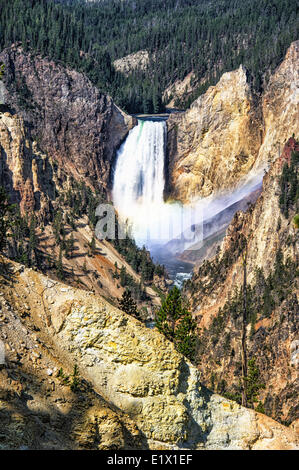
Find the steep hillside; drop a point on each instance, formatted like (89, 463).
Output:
(179, 90)
(155, 397)
(214, 229)
(73, 122)
(82, 362)
(44, 403)
(228, 131)
(216, 295)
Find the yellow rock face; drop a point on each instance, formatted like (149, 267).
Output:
(280, 106)
(15, 147)
(137, 370)
(23, 167)
(217, 140)
(226, 133)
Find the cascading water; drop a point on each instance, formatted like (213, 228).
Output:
(139, 175)
(139, 185)
(138, 188)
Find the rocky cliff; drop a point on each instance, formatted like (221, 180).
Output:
(25, 172)
(74, 122)
(136, 61)
(216, 294)
(280, 107)
(228, 131)
(148, 395)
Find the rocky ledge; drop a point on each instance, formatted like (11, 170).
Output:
(136, 370)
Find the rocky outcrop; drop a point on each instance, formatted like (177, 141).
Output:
(216, 142)
(39, 410)
(25, 172)
(136, 61)
(74, 122)
(136, 370)
(280, 107)
(227, 132)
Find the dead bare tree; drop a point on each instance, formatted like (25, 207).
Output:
(244, 323)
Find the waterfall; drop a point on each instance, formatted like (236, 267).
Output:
(139, 173)
(138, 188)
(139, 179)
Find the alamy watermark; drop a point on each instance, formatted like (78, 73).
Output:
(171, 223)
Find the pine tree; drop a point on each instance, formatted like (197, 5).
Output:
(127, 304)
(1, 70)
(176, 323)
(93, 247)
(75, 383)
(169, 313)
(84, 267)
(253, 382)
(69, 247)
(244, 324)
(6, 214)
(184, 337)
(32, 239)
(59, 266)
(58, 227)
(123, 276)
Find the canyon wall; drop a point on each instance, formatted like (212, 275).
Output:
(216, 298)
(77, 125)
(25, 172)
(41, 187)
(211, 147)
(58, 140)
(227, 131)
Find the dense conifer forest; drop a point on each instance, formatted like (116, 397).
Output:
(207, 37)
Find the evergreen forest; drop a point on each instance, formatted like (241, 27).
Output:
(207, 37)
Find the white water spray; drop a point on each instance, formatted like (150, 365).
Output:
(138, 192)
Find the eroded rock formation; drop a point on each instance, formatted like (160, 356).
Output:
(227, 132)
(25, 172)
(272, 302)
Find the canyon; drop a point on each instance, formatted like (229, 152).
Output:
(81, 374)
(38, 185)
(77, 125)
(272, 332)
(229, 125)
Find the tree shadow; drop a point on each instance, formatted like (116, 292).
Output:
(7, 272)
